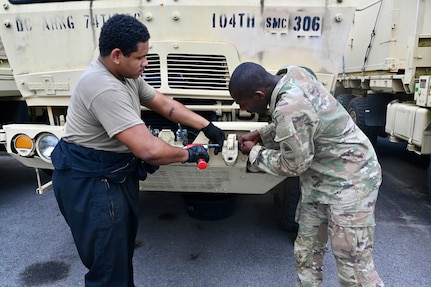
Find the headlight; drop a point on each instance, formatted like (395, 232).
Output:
(45, 144)
(24, 145)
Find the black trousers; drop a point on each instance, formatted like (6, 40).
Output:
(103, 218)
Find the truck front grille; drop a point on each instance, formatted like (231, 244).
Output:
(204, 72)
(190, 71)
(152, 71)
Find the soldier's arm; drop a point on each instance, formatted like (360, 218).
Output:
(176, 112)
(294, 136)
(149, 148)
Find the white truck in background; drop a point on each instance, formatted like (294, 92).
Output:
(385, 80)
(195, 45)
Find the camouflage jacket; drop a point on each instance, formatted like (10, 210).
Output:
(313, 136)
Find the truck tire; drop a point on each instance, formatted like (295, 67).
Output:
(344, 100)
(285, 201)
(210, 206)
(356, 110)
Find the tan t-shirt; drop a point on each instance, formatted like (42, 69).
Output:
(101, 106)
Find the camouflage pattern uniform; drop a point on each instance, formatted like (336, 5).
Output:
(312, 135)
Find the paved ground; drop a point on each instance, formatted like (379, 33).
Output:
(246, 249)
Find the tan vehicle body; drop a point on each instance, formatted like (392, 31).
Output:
(7, 83)
(195, 45)
(387, 69)
(9, 94)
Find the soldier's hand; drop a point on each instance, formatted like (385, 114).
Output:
(215, 135)
(253, 136)
(246, 146)
(197, 153)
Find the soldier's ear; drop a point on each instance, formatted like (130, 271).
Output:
(260, 95)
(115, 55)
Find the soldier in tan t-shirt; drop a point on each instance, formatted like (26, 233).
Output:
(107, 148)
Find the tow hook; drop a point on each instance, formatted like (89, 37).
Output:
(230, 150)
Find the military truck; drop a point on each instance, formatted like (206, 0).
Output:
(195, 45)
(13, 108)
(385, 80)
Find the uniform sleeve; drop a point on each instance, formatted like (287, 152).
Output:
(295, 125)
(267, 134)
(146, 92)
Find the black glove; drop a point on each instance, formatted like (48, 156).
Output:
(196, 153)
(215, 135)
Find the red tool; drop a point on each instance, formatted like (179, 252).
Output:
(202, 164)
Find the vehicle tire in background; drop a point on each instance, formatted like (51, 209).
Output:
(286, 197)
(344, 100)
(356, 110)
(210, 206)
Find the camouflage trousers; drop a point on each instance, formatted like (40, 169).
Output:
(350, 230)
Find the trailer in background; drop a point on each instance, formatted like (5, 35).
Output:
(385, 80)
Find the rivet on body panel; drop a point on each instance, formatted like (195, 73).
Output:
(176, 16)
(338, 18)
(148, 16)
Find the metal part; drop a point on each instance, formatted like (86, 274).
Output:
(42, 188)
(230, 150)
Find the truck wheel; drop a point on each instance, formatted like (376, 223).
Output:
(210, 206)
(285, 201)
(344, 100)
(356, 110)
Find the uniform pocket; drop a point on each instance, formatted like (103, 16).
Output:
(290, 146)
(353, 219)
(108, 200)
(284, 129)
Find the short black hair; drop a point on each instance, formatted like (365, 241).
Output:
(249, 77)
(124, 32)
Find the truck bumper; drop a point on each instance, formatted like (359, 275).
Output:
(226, 172)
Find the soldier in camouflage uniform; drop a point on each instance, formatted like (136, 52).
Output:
(312, 136)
